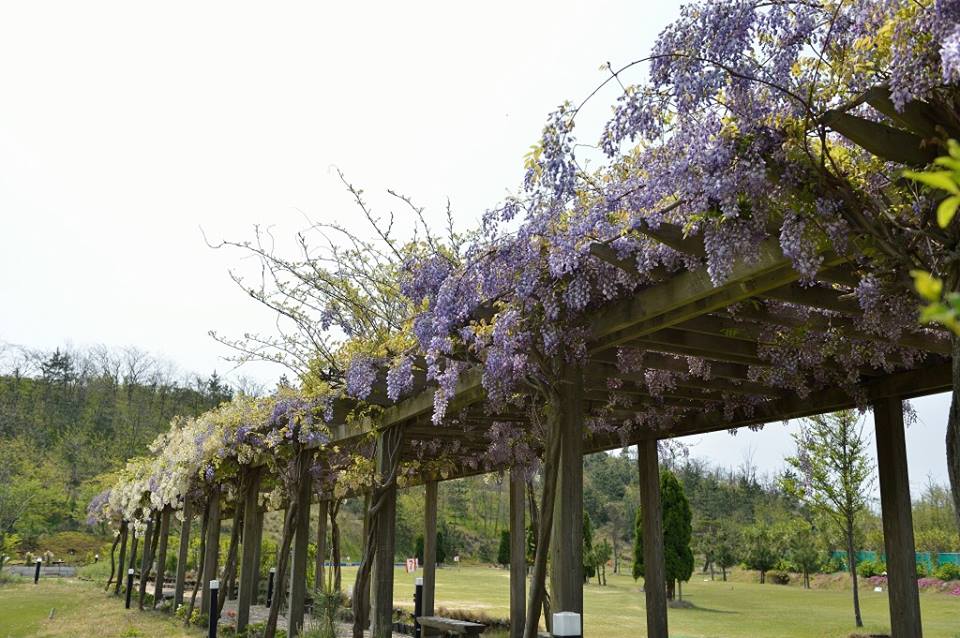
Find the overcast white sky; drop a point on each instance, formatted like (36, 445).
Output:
(126, 127)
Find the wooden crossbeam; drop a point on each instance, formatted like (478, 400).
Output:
(691, 294)
(659, 361)
(723, 327)
(696, 344)
(928, 342)
(816, 297)
(886, 142)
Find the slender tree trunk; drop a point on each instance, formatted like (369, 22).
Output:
(953, 433)
(335, 542)
(551, 465)
(230, 566)
(852, 564)
(199, 562)
(113, 552)
(723, 570)
(280, 577)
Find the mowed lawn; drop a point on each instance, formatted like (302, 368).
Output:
(80, 609)
(722, 610)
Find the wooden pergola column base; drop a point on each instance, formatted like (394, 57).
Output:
(301, 541)
(429, 547)
(212, 551)
(566, 576)
(252, 524)
(518, 555)
(897, 520)
(381, 589)
(654, 564)
(162, 554)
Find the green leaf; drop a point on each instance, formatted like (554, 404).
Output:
(946, 210)
(953, 147)
(949, 162)
(935, 179)
(928, 286)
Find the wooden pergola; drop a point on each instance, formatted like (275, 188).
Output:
(681, 315)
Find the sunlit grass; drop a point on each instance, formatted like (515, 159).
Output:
(735, 609)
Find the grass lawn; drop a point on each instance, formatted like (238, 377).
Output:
(727, 610)
(730, 610)
(80, 609)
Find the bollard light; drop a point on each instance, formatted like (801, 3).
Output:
(270, 577)
(417, 606)
(214, 609)
(567, 624)
(129, 586)
(36, 574)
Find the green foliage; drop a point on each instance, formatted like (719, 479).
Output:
(948, 571)
(677, 532)
(868, 568)
(503, 552)
(418, 551)
(939, 307)
(531, 545)
(68, 417)
(803, 549)
(761, 549)
(589, 568)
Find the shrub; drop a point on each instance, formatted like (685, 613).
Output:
(779, 577)
(833, 565)
(922, 570)
(868, 568)
(948, 571)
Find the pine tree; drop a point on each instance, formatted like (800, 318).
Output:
(503, 553)
(677, 534)
(589, 566)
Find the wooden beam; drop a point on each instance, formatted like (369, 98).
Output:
(248, 557)
(906, 384)
(518, 553)
(897, 519)
(184, 552)
(691, 294)
(816, 297)
(566, 575)
(469, 389)
(301, 543)
(928, 342)
(654, 577)
(884, 141)
(162, 554)
(429, 547)
(212, 553)
(695, 344)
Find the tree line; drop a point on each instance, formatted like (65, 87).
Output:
(68, 416)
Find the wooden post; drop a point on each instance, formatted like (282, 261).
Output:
(897, 519)
(212, 551)
(183, 553)
(518, 555)
(381, 590)
(654, 564)
(257, 546)
(251, 540)
(162, 555)
(301, 542)
(318, 579)
(567, 544)
(429, 548)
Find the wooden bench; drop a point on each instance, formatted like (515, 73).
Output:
(450, 626)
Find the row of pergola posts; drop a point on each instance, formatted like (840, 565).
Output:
(566, 577)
